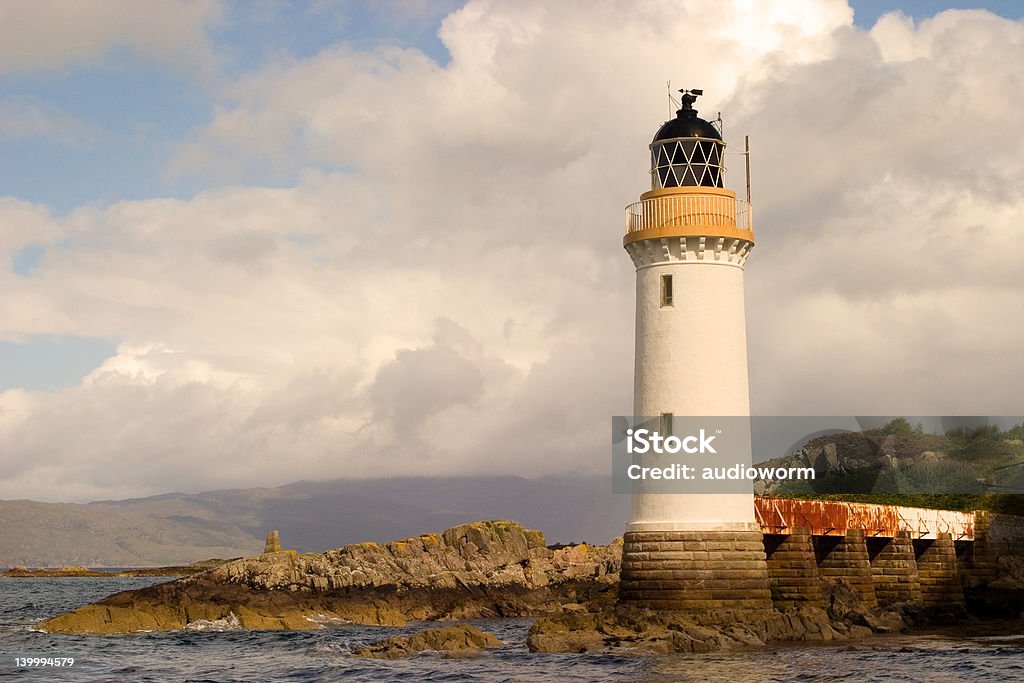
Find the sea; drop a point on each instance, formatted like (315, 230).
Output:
(986, 651)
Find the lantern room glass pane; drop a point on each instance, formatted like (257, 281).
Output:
(687, 162)
(700, 155)
(663, 176)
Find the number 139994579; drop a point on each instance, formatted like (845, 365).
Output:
(30, 662)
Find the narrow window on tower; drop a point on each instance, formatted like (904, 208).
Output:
(666, 424)
(666, 291)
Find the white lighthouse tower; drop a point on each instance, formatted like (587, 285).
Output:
(689, 239)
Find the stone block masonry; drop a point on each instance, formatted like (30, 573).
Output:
(938, 572)
(894, 570)
(941, 560)
(793, 570)
(846, 557)
(995, 536)
(695, 570)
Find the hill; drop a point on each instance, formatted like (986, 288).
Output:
(981, 469)
(181, 528)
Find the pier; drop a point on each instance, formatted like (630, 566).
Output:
(890, 554)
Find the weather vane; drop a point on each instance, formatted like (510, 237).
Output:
(689, 97)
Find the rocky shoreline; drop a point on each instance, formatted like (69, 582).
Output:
(479, 570)
(473, 571)
(78, 572)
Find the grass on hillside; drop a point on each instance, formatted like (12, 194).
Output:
(978, 470)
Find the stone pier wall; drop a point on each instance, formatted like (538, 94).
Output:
(938, 572)
(992, 566)
(997, 539)
(894, 570)
(694, 570)
(793, 570)
(846, 557)
(981, 568)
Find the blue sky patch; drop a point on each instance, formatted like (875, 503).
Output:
(27, 258)
(49, 362)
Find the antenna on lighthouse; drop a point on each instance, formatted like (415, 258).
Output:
(746, 159)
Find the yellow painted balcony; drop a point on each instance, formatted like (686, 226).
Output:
(688, 211)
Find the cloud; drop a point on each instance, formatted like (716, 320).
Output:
(22, 118)
(522, 91)
(439, 286)
(419, 383)
(884, 186)
(42, 35)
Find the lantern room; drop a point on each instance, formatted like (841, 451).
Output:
(687, 151)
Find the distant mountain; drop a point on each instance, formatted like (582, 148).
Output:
(180, 528)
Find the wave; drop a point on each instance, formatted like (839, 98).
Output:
(228, 623)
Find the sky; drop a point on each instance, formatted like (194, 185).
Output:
(247, 243)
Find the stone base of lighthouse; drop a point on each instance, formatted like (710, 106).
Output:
(694, 570)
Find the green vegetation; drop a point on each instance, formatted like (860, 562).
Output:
(973, 469)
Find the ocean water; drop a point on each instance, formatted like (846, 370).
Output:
(983, 652)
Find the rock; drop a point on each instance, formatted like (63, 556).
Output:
(483, 569)
(841, 598)
(24, 572)
(932, 456)
(575, 608)
(181, 570)
(831, 456)
(639, 631)
(273, 544)
(1009, 573)
(569, 633)
(451, 639)
(859, 631)
(844, 605)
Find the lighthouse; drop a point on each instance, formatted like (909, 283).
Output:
(689, 238)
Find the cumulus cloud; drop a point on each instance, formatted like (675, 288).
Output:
(49, 34)
(885, 231)
(447, 293)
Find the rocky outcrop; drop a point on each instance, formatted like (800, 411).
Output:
(643, 631)
(622, 628)
(484, 569)
(848, 612)
(460, 638)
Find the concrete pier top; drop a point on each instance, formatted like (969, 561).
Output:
(835, 518)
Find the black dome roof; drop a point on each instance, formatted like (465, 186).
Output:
(687, 124)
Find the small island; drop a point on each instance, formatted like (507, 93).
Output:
(73, 571)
